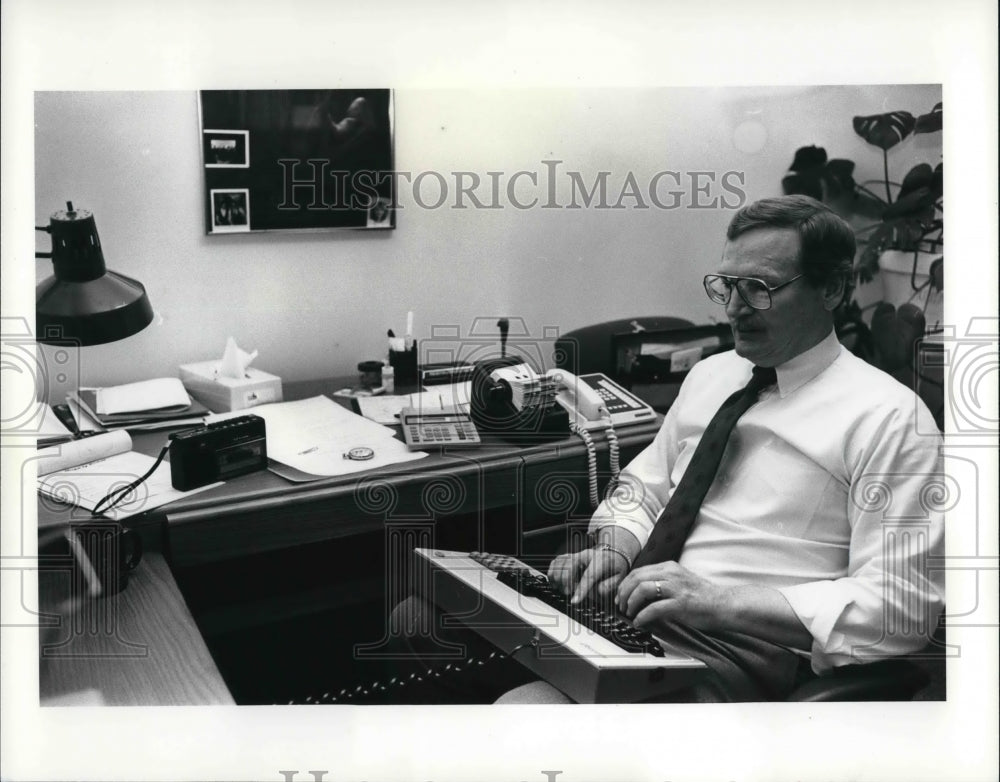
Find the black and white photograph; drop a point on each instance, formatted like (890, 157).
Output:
(226, 148)
(585, 396)
(318, 158)
(230, 211)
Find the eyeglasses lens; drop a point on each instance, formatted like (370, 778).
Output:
(718, 289)
(755, 293)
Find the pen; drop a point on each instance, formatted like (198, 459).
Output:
(309, 450)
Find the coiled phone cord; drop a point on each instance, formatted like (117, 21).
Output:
(583, 434)
(613, 454)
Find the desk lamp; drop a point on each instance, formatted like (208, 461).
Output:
(83, 301)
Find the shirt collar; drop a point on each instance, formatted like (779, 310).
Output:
(798, 371)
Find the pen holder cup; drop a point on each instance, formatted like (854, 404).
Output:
(105, 554)
(404, 365)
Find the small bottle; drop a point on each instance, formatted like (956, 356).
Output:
(370, 374)
(389, 378)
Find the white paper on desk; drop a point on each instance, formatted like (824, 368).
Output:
(78, 452)
(83, 472)
(158, 394)
(313, 435)
(385, 409)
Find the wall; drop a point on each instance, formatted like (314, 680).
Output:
(315, 304)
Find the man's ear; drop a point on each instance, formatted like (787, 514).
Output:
(833, 292)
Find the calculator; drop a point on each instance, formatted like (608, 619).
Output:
(444, 428)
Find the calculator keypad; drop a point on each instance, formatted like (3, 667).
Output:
(444, 434)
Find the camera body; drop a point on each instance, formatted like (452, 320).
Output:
(217, 452)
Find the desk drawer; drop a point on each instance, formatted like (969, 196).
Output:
(253, 526)
(555, 481)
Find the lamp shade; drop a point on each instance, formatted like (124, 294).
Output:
(82, 301)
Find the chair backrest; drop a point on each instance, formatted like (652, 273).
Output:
(898, 348)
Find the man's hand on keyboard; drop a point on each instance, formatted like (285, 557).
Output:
(667, 592)
(595, 571)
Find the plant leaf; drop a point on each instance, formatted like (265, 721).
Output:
(937, 181)
(917, 177)
(838, 177)
(930, 122)
(807, 158)
(868, 262)
(867, 205)
(885, 130)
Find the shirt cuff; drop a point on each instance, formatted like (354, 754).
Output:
(819, 606)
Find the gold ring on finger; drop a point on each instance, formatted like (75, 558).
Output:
(659, 592)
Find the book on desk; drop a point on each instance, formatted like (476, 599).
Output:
(140, 411)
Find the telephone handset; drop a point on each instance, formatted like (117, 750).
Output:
(577, 398)
(591, 400)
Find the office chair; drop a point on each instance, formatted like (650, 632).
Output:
(894, 344)
(917, 677)
(888, 680)
(590, 348)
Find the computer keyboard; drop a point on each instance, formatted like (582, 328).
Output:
(588, 651)
(609, 624)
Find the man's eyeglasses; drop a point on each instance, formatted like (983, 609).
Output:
(756, 293)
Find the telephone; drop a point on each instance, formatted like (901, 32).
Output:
(592, 399)
(508, 398)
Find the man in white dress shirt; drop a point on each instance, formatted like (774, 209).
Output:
(797, 543)
(811, 548)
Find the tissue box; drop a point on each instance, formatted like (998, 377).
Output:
(224, 394)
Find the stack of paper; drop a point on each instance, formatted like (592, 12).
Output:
(150, 404)
(386, 409)
(317, 438)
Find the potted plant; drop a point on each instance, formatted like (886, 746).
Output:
(903, 232)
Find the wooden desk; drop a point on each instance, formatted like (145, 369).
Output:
(140, 647)
(263, 512)
(260, 550)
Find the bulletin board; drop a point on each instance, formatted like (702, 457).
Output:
(297, 160)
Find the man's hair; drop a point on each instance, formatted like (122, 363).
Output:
(827, 241)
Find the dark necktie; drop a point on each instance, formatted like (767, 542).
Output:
(674, 522)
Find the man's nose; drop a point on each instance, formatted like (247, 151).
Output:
(736, 306)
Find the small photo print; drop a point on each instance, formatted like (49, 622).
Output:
(226, 148)
(380, 214)
(230, 211)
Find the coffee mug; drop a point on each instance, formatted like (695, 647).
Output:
(105, 554)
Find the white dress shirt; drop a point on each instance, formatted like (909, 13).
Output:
(825, 493)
